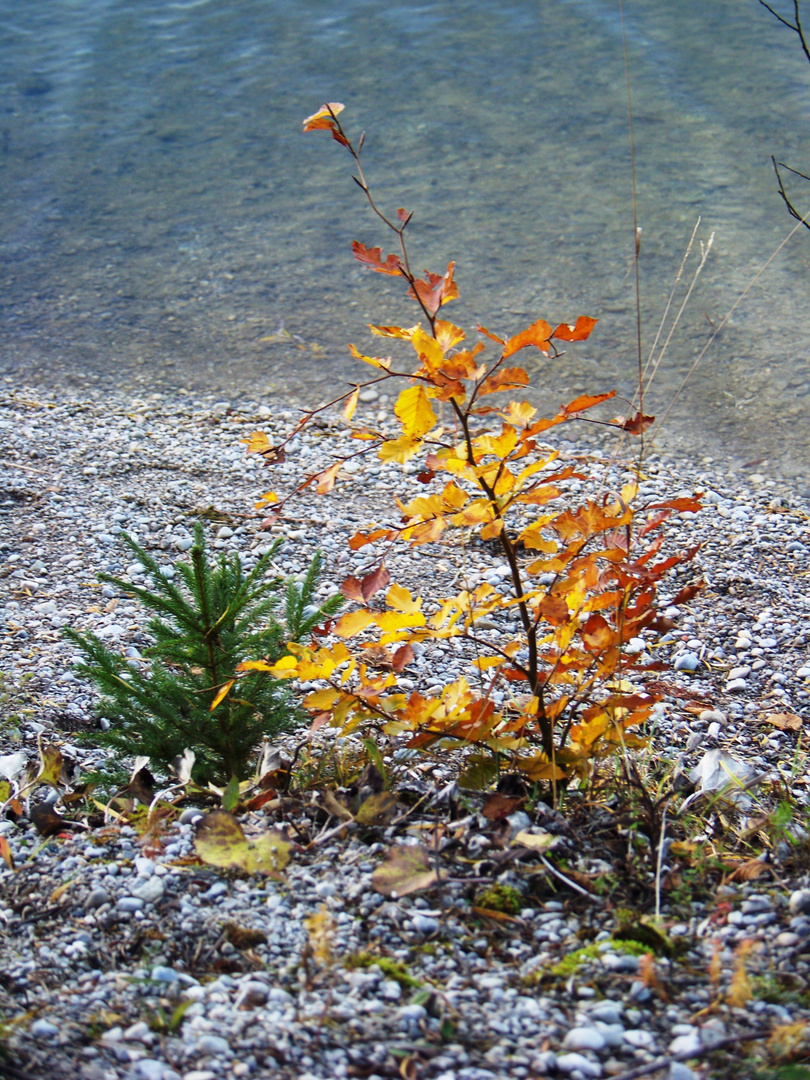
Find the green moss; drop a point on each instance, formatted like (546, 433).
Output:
(569, 964)
(392, 969)
(504, 898)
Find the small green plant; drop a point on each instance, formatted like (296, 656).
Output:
(204, 627)
(498, 897)
(392, 969)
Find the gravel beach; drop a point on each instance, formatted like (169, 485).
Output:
(127, 960)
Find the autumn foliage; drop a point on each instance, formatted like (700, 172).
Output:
(583, 578)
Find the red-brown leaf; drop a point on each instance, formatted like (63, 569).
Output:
(435, 289)
(373, 257)
(637, 424)
(402, 657)
(376, 580)
(688, 593)
(353, 590)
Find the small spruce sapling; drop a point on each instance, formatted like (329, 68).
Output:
(215, 618)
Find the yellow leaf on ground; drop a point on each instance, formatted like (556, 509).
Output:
(353, 622)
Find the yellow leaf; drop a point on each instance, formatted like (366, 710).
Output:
(266, 499)
(536, 841)
(330, 109)
(484, 662)
(353, 622)
(415, 412)
(427, 349)
(223, 692)
(384, 364)
(492, 529)
(395, 620)
(351, 405)
(394, 331)
(399, 450)
(257, 443)
(401, 600)
(321, 699)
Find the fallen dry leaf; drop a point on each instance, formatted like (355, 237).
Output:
(785, 721)
(220, 841)
(407, 869)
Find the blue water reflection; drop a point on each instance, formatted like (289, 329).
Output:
(163, 217)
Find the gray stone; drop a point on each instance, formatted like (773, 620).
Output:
(799, 901)
(129, 903)
(569, 1063)
(584, 1038)
(44, 1029)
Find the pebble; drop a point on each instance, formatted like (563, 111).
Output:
(119, 897)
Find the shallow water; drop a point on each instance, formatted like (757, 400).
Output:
(163, 217)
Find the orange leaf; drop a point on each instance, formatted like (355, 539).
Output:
(597, 634)
(5, 853)
(578, 332)
(489, 334)
(685, 504)
(448, 335)
(537, 334)
(393, 331)
(585, 401)
(373, 257)
(360, 540)
(506, 379)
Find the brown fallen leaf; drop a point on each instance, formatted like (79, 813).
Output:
(377, 809)
(749, 870)
(46, 821)
(498, 806)
(335, 807)
(784, 721)
(407, 869)
(243, 937)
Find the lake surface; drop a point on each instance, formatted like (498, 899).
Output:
(165, 224)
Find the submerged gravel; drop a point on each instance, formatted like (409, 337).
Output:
(125, 961)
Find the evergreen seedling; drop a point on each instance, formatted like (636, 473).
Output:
(212, 619)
